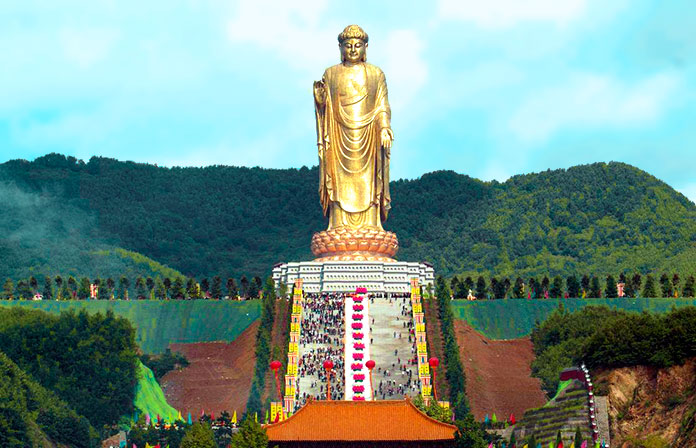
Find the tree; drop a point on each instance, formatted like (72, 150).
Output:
(573, 286)
(253, 290)
(160, 290)
(24, 290)
(468, 284)
(123, 285)
(167, 286)
(216, 289)
(689, 286)
(282, 290)
(7, 290)
(610, 290)
(454, 287)
(199, 436)
(205, 287)
(518, 289)
(636, 281)
(650, 288)
(595, 290)
(232, 288)
(191, 288)
(559, 439)
(150, 283)
(244, 282)
(469, 433)
(250, 435)
(178, 291)
(103, 293)
(666, 286)
(494, 287)
(481, 290)
(110, 284)
(47, 289)
(59, 287)
(33, 284)
(578, 437)
(545, 284)
(532, 442)
(140, 291)
(585, 284)
(675, 284)
(557, 287)
(84, 290)
(535, 288)
(72, 287)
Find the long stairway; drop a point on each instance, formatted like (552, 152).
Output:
(321, 339)
(393, 348)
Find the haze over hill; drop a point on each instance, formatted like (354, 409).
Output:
(222, 220)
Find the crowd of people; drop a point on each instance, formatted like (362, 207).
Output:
(321, 339)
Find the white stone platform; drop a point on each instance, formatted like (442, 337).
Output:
(346, 276)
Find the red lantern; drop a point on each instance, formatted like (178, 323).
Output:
(275, 365)
(328, 365)
(370, 364)
(434, 362)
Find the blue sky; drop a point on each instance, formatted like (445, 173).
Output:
(490, 89)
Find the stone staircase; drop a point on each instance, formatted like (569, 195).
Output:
(395, 374)
(321, 338)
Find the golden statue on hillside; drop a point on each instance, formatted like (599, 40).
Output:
(354, 139)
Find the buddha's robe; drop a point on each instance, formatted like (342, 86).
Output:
(353, 166)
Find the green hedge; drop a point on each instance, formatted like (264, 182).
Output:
(159, 323)
(515, 318)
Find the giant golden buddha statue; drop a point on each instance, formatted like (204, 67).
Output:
(354, 138)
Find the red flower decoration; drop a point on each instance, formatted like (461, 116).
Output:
(356, 366)
(361, 290)
(357, 316)
(358, 356)
(356, 398)
(358, 335)
(356, 325)
(359, 389)
(357, 299)
(359, 346)
(357, 307)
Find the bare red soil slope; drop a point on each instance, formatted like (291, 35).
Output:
(498, 374)
(218, 377)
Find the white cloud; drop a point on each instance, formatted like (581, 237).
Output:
(293, 30)
(504, 13)
(86, 47)
(592, 101)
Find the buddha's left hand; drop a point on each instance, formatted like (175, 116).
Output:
(387, 136)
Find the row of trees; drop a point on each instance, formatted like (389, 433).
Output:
(587, 286)
(143, 288)
(205, 433)
(454, 371)
(263, 349)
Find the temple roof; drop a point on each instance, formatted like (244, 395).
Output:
(384, 420)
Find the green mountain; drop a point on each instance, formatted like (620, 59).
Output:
(229, 221)
(31, 416)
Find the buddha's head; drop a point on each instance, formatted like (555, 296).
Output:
(353, 44)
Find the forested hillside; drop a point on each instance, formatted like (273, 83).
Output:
(230, 221)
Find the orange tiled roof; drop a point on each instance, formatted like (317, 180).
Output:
(385, 420)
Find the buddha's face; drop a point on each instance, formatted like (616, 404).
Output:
(353, 50)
